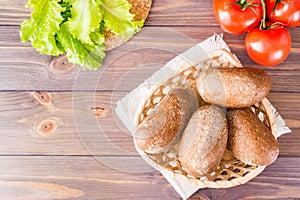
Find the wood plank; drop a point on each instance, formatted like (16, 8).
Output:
(125, 67)
(163, 12)
(80, 131)
(68, 143)
(13, 12)
(56, 177)
(159, 37)
(76, 130)
(182, 13)
(80, 178)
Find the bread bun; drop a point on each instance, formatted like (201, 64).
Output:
(250, 140)
(163, 127)
(233, 87)
(204, 141)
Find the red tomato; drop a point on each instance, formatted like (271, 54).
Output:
(268, 47)
(237, 16)
(286, 11)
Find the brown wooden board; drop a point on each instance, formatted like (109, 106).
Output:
(50, 177)
(67, 143)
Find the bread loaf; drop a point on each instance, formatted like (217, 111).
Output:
(204, 141)
(250, 140)
(165, 124)
(233, 87)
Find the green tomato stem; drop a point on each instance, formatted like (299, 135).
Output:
(276, 4)
(263, 21)
(242, 2)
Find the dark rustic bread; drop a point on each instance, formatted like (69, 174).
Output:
(233, 87)
(250, 140)
(204, 141)
(165, 124)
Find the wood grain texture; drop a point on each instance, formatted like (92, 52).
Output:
(88, 178)
(80, 132)
(163, 12)
(13, 12)
(133, 62)
(67, 143)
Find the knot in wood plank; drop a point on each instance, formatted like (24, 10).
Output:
(60, 65)
(47, 127)
(44, 98)
(99, 112)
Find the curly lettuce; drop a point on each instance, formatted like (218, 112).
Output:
(75, 28)
(43, 25)
(118, 21)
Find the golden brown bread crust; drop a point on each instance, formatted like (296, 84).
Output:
(164, 126)
(250, 140)
(233, 87)
(204, 141)
(141, 10)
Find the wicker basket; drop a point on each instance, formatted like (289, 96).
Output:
(231, 171)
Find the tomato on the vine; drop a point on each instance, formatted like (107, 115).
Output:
(285, 11)
(268, 47)
(237, 16)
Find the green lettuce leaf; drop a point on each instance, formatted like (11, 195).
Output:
(76, 27)
(86, 55)
(66, 14)
(86, 18)
(97, 37)
(43, 25)
(118, 18)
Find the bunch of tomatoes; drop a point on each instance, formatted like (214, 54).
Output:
(268, 41)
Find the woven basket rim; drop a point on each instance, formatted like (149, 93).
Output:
(222, 183)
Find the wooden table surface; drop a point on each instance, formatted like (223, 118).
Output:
(60, 137)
